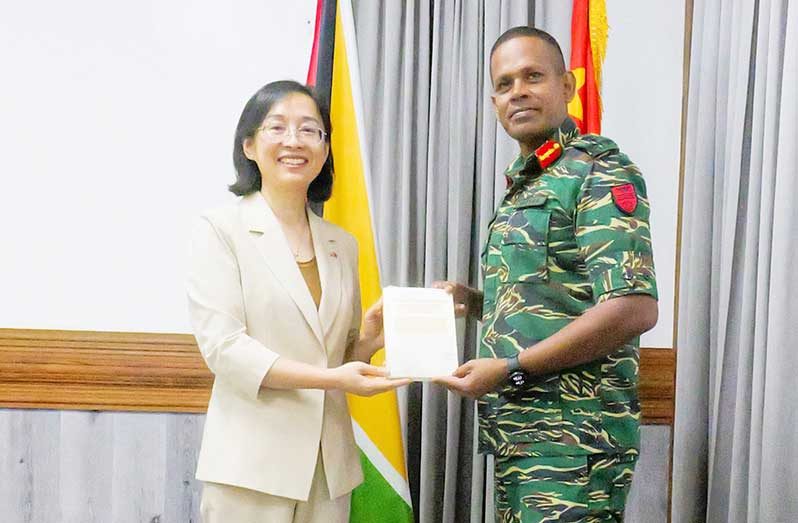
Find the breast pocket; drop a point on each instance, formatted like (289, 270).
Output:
(524, 247)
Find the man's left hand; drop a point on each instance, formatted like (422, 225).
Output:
(476, 378)
(371, 332)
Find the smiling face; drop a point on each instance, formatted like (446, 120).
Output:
(531, 90)
(283, 147)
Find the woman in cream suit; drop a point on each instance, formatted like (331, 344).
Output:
(274, 303)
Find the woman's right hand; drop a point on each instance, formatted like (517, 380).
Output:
(363, 379)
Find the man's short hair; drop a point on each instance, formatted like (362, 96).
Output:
(523, 30)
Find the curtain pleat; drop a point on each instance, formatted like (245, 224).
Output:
(735, 425)
(436, 154)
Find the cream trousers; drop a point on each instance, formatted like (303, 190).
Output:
(228, 504)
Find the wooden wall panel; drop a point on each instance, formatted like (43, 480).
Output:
(648, 498)
(657, 374)
(61, 466)
(182, 493)
(86, 463)
(50, 369)
(102, 371)
(96, 467)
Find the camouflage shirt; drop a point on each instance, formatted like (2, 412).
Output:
(563, 239)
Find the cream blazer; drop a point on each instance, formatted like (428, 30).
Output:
(249, 306)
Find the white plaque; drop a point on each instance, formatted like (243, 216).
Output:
(420, 335)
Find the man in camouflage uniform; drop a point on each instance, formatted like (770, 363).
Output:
(569, 287)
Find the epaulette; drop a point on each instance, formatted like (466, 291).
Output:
(594, 144)
(548, 153)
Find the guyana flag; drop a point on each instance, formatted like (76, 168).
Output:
(384, 496)
(588, 47)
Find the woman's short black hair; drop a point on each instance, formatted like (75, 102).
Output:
(248, 178)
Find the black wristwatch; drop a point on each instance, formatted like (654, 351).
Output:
(516, 376)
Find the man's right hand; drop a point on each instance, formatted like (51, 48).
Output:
(467, 301)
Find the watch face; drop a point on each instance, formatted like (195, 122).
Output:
(518, 379)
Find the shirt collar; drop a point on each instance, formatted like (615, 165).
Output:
(526, 165)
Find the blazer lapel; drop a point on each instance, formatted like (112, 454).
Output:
(328, 259)
(273, 247)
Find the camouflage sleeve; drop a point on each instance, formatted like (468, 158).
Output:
(612, 229)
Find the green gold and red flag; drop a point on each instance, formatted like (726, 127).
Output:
(589, 31)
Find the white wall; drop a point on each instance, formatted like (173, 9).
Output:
(116, 130)
(642, 96)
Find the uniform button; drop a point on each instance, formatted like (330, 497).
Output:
(627, 274)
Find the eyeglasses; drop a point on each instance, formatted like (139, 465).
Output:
(306, 134)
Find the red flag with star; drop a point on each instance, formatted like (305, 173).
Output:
(588, 47)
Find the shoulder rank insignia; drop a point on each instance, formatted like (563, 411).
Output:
(625, 197)
(548, 153)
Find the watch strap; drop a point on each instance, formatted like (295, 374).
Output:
(513, 365)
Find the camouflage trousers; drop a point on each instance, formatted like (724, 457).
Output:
(585, 489)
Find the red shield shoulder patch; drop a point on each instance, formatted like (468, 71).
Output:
(625, 197)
